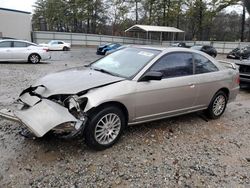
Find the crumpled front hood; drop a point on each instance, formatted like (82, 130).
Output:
(73, 81)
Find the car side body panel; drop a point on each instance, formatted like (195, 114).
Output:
(156, 99)
(209, 83)
(123, 92)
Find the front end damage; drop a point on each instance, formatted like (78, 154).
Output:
(61, 114)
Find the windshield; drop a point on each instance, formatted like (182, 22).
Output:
(196, 47)
(126, 62)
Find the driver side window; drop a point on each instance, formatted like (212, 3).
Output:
(174, 65)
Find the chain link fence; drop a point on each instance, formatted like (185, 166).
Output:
(83, 39)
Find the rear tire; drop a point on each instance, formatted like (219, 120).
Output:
(104, 128)
(34, 58)
(217, 105)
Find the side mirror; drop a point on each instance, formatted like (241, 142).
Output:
(151, 75)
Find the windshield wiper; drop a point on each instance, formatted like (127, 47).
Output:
(104, 71)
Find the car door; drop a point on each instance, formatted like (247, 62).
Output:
(20, 52)
(54, 46)
(5, 47)
(208, 76)
(60, 45)
(174, 94)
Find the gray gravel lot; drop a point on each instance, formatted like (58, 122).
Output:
(185, 151)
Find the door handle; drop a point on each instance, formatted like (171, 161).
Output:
(191, 85)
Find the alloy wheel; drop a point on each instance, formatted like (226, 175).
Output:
(107, 129)
(219, 105)
(34, 58)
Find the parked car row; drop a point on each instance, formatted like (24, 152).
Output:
(111, 47)
(237, 53)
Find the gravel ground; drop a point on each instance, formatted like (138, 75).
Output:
(185, 151)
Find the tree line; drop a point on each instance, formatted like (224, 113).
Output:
(200, 19)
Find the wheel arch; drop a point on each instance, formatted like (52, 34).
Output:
(111, 103)
(225, 90)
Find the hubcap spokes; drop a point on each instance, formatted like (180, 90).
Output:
(107, 129)
(34, 59)
(219, 105)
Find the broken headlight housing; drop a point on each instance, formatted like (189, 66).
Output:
(75, 103)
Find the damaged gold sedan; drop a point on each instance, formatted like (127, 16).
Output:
(130, 86)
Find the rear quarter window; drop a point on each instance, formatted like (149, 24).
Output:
(203, 65)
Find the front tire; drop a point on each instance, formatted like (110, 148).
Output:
(104, 128)
(34, 58)
(65, 48)
(217, 105)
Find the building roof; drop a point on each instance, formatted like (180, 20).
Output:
(152, 28)
(12, 10)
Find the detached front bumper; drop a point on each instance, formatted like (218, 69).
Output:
(8, 114)
(42, 117)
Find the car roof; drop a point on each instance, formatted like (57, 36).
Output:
(159, 48)
(56, 41)
(171, 49)
(14, 40)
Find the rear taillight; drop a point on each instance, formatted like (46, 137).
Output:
(237, 80)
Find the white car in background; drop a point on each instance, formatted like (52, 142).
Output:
(57, 45)
(20, 50)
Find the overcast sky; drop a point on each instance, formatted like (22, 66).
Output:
(26, 5)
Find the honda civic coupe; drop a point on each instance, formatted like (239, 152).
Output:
(20, 50)
(131, 86)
